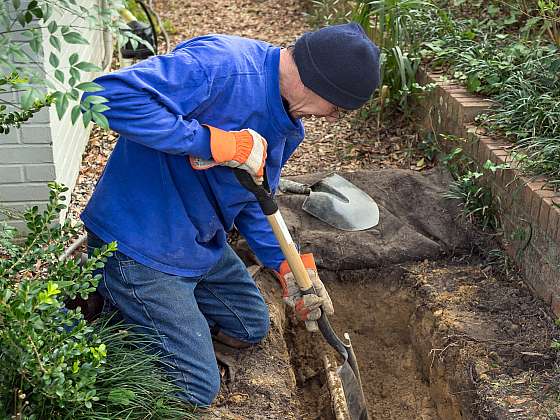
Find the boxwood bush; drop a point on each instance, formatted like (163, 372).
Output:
(53, 364)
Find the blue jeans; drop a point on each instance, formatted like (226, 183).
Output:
(181, 312)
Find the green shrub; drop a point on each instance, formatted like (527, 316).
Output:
(50, 27)
(52, 363)
(392, 25)
(478, 204)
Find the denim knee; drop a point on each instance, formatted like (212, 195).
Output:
(202, 392)
(260, 326)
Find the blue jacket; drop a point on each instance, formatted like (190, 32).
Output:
(161, 212)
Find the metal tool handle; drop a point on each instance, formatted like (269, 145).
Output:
(289, 186)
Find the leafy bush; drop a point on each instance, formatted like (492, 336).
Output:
(52, 363)
(50, 26)
(392, 25)
(520, 74)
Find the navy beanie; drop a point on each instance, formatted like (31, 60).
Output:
(339, 63)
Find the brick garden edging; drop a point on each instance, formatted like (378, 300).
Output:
(530, 213)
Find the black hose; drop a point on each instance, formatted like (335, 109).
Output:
(152, 24)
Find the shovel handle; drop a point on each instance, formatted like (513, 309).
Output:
(289, 186)
(268, 205)
(289, 250)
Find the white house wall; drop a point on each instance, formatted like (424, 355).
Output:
(45, 148)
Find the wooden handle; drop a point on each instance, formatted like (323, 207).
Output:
(290, 251)
(289, 186)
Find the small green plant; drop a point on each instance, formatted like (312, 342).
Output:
(544, 20)
(52, 363)
(500, 262)
(478, 204)
(430, 147)
(517, 68)
(169, 27)
(455, 160)
(519, 234)
(329, 12)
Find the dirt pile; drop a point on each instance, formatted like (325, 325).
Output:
(446, 337)
(264, 385)
(416, 222)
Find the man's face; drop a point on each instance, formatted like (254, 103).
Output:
(314, 105)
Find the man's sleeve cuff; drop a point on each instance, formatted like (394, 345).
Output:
(202, 143)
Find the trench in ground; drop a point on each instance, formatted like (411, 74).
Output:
(391, 338)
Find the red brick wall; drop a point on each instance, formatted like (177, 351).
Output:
(530, 212)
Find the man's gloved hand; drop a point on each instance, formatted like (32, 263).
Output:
(307, 307)
(244, 149)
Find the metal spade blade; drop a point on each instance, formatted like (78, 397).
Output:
(336, 201)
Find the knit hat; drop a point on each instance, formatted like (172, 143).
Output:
(339, 63)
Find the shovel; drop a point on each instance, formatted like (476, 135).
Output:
(336, 201)
(348, 372)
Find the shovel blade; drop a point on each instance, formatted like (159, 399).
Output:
(341, 204)
(353, 392)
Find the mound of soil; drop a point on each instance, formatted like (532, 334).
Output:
(416, 222)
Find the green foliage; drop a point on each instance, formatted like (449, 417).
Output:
(429, 147)
(478, 204)
(432, 151)
(53, 364)
(508, 50)
(518, 71)
(399, 73)
(46, 353)
(329, 12)
(500, 262)
(14, 118)
(131, 383)
(169, 27)
(391, 24)
(541, 18)
(472, 53)
(476, 200)
(41, 25)
(529, 112)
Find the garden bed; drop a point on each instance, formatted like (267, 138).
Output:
(441, 336)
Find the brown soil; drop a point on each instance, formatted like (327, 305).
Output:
(448, 337)
(376, 313)
(428, 342)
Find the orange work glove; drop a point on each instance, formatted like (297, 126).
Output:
(245, 149)
(307, 307)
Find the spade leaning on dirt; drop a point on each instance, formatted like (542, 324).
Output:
(168, 195)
